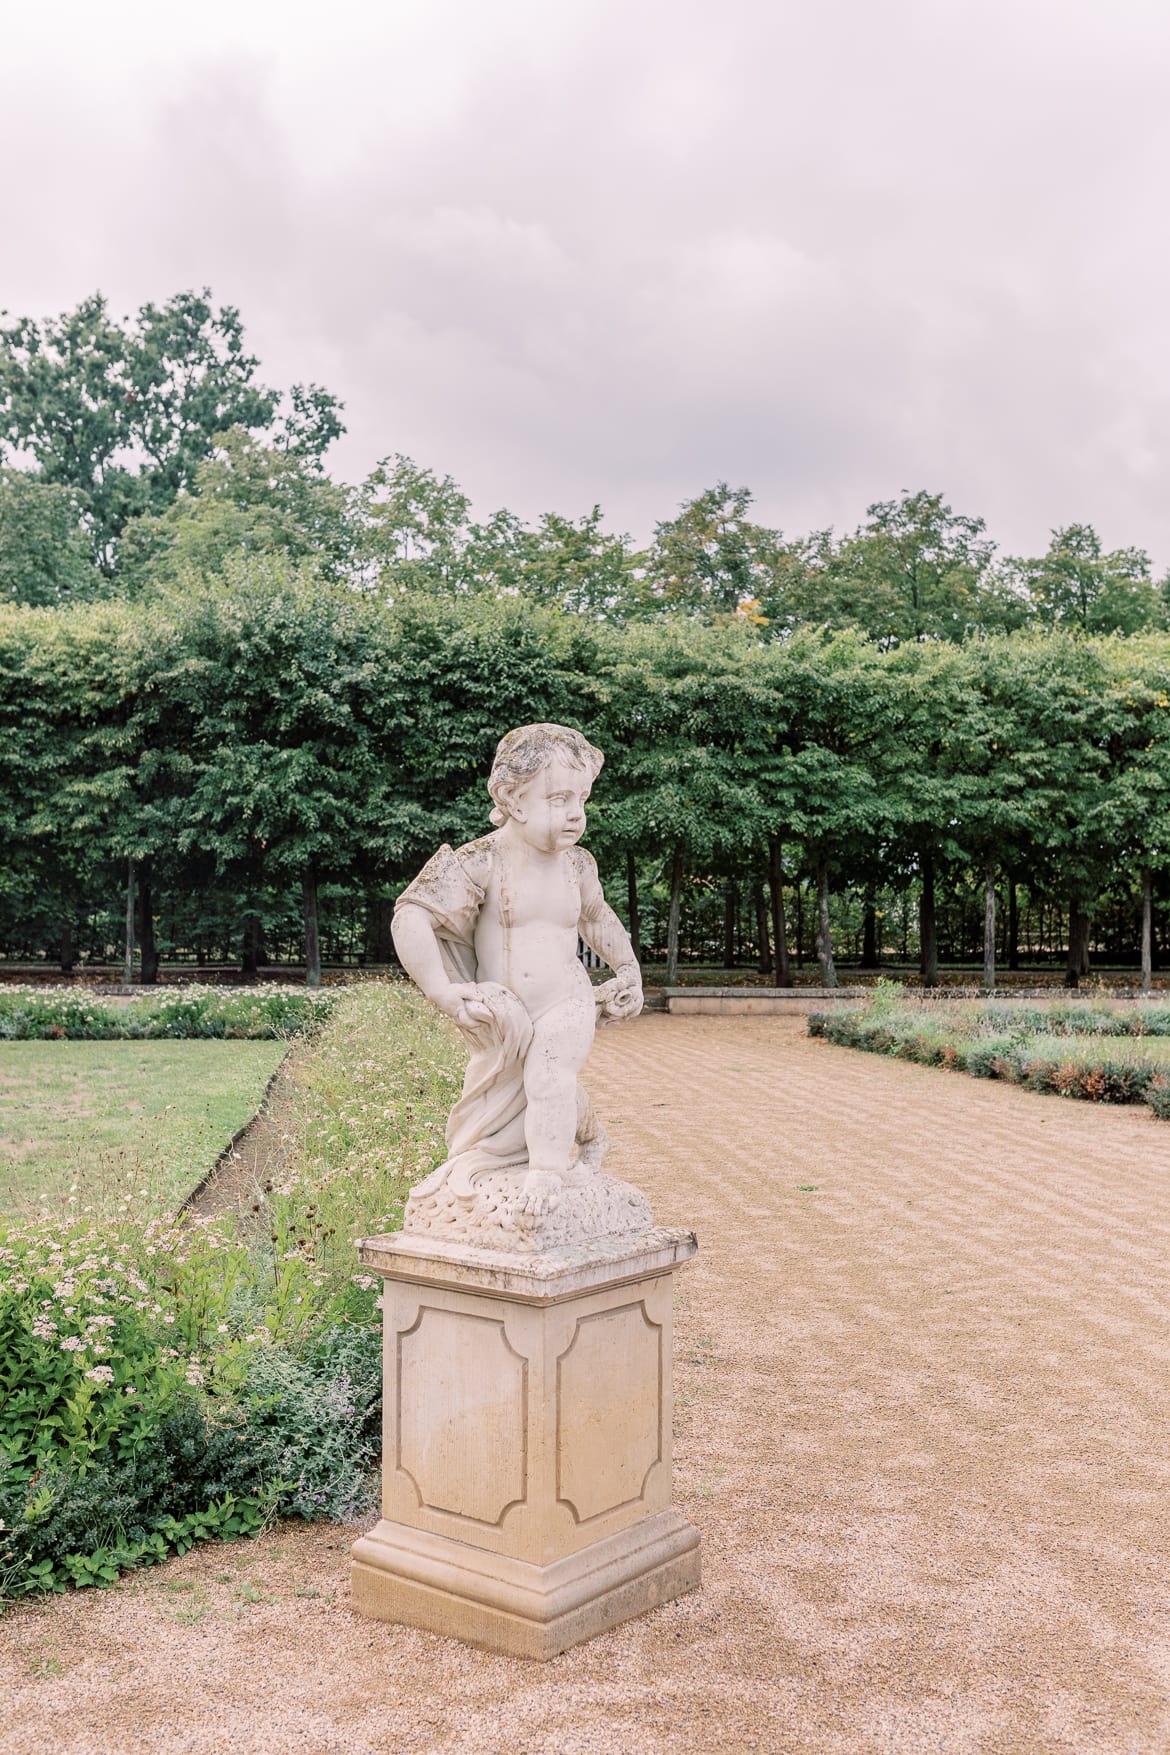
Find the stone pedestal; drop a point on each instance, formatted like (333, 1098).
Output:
(526, 1472)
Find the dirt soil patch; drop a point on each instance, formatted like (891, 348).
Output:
(923, 1374)
(259, 1155)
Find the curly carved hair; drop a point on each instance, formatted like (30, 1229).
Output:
(522, 753)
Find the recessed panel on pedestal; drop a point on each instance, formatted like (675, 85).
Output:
(462, 1415)
(609, 1411)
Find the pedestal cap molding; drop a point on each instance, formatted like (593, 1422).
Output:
(528, 1279)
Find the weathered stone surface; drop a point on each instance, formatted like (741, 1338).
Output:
(527, 1440)
(498, 1217)
(490, 931)
(533, 1279)
(518, 1609)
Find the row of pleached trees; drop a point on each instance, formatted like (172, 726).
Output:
(218, 752)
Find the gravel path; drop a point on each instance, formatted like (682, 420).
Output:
(923, 1373)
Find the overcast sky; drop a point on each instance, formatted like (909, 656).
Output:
(574, 251)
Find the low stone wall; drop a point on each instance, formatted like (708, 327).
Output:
(799, 1001)
(765, 1001)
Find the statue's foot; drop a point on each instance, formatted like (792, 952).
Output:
(539, 1193)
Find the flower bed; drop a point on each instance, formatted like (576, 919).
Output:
(1097, 1053)
(43, 1014)
(162, 1381)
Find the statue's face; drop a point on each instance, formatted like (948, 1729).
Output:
(550, 810)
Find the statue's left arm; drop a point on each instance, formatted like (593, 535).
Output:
(604, 933)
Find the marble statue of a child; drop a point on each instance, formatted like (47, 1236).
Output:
(489, 932)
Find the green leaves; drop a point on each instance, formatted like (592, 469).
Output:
(1078, 585)
(123, 414)
(44, 552)
(230, 736)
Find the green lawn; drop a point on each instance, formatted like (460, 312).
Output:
(104, 1122)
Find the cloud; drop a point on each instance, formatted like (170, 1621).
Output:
(598, 253)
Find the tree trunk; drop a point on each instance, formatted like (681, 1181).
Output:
(989, 926)
(148, 974)
(1077, 961)
(312, 930)
(927, 925)
(763, 940)
(782, 974)
(730, 912)
(128, 965)
(68, 954)
(1013, 944)
(632, 904)
(676, 871)
(254, 952)
(799, 894)
(1157, 937)
(824, 936)
(379, 944)
(1147, 927)
(870, 957)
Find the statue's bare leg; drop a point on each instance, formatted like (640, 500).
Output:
(592, 1142)
(561, 1040)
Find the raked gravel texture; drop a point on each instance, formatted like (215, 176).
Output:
(922, 1426)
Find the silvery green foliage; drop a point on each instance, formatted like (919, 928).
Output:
(313, 1421)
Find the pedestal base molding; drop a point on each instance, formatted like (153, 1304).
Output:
(510, 1606)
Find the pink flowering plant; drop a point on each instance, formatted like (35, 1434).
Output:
(163, 1380)
(98, 1361)
(81, 1368)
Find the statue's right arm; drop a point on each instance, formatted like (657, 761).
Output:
(418, 950)
(419, 953)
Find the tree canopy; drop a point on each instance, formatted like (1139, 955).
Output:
(257, 683)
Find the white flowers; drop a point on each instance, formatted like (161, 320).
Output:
(100, 1374)
(71, 1344)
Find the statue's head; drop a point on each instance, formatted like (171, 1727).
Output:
(524, 753)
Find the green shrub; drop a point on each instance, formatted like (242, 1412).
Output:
(166, 1381)
(116, 1431)
(68, 1013)
(1158, 1096)
(312, 1420)
(885, 998)
(985, 1059)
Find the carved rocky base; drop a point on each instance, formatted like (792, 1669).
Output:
(527, 1442)
(596, 1206)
